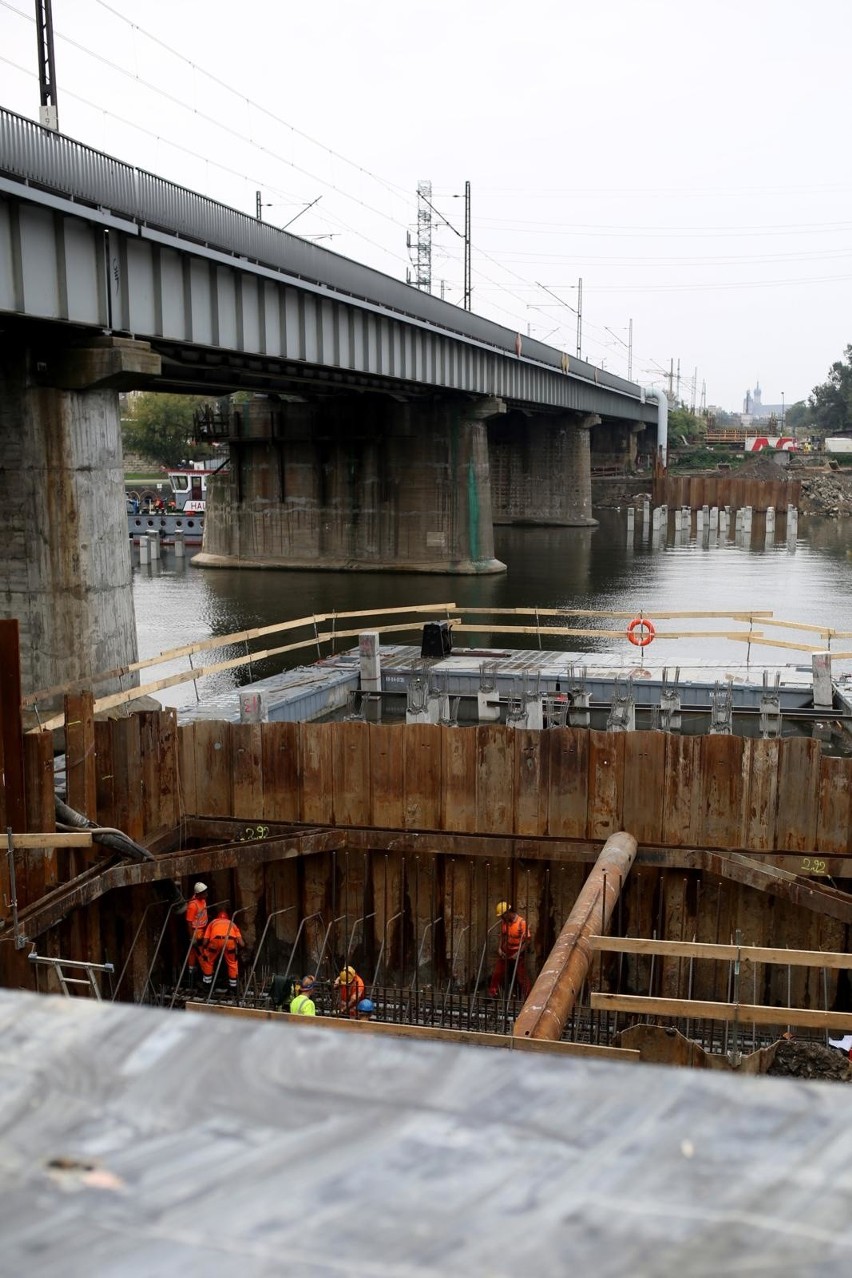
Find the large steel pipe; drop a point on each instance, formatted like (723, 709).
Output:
(554, 994)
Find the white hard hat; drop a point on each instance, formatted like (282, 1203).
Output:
(200, 887)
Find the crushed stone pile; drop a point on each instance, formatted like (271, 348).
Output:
(800, 1059)
(761, 466)
(828, 494)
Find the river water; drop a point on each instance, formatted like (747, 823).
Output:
(806, 580)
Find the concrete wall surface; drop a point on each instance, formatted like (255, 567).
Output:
(65, 570)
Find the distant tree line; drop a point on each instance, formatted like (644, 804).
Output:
(162, 428)
(829, 408)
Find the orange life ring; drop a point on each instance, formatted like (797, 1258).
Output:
(641, 632)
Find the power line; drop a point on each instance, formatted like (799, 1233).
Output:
(697, 287)
(827, 255)
(202, 115)
(392, 187)
(676, 233)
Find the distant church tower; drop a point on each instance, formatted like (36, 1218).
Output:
(752, 402)
(757, 407)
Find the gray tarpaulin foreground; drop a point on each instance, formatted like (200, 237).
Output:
(141, 1142)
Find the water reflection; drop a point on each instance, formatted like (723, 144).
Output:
(804, 577)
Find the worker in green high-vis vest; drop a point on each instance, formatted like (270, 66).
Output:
(303, 1004)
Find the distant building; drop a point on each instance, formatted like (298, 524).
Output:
(755, 410)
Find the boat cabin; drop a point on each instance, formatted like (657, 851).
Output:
(189, 489)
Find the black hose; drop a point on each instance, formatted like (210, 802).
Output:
(115, 841)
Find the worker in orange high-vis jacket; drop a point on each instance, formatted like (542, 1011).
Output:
(350, 991)
(221, 934)
(196, 923)
(511, 951)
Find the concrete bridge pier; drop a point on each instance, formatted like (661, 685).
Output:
(359, 482)
(65, 570)
(618, 444)
(540, 469)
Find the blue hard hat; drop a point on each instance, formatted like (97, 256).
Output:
(366, 1005)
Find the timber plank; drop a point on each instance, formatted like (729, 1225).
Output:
(720, 779)
(760, 769)
(79, 839)
(247, 770)
(387, 781)
(532, 782)
(707, 950)
(316, 772)
(606, 783)
(568, 771)
(213, 768)
(643, 792)
(835, 805)
(458, 789)
(281, 761)
(759, 1014)
(422, 746)
(471, 1038)
(351, 770)
(798, 794)
(495, 779)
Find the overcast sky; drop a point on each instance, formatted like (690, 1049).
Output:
(689, 162)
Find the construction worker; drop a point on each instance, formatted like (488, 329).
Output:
(350, 989)
(196, 922)
(366, 1010)
(221, 934)
(303, 1004)
(514, 942)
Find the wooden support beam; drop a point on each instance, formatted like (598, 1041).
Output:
(471, 1038)
(753, 1013)
(81, 839)
(710, 950)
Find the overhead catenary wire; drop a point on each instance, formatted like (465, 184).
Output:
(175, 100)
(269, 152)
(266, 150)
